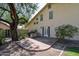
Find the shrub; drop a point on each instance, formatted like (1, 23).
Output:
(22, 34)
(33, 33)
(64, 31)
(2, 36)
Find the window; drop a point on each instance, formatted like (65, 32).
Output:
(50, 14)
(36, 18)
(34, 23)
(45, 31)
(49, 6)
(48, 30)
(41, 17)
(42, 33)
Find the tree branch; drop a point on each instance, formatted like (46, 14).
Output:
(13, 13)
(20, 13)
(2, 14)
(4, 9)
(4, 21)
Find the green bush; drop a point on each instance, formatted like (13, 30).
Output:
(64, 31)
(2, 36)
(22, 34)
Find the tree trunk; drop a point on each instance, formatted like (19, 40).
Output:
(13, 25)
(14, 33)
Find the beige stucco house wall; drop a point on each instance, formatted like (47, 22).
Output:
(63, 13)
(4, 26)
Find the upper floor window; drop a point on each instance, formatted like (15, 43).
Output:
(36, 18)
(41, 17)
(50, 14)
(35, 22)
(49, 6)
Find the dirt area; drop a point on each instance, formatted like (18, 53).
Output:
(12, 49)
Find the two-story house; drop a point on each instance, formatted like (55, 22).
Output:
(53, 15)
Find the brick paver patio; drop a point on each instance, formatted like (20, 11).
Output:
(13, 50)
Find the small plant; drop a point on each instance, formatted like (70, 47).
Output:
(22, 34)
(2, 36)
(64, 31)
(33, 33)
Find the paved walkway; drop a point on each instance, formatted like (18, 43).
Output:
(12, 49)
(54, 51)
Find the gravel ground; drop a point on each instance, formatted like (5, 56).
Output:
(12, 49)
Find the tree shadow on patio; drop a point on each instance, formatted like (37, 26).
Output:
(58, 45)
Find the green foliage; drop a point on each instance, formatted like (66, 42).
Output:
(7, 17)
(2, 36)
(24, 11)
(23, 20)
(64, 31)
(22, 34)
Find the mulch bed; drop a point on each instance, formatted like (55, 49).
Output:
(70, 44)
